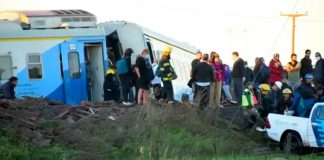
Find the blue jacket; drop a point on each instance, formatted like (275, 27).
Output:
(303, 100)
(8, 90)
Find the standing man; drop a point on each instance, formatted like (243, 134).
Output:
(144, 72)
(204, 75)
(293, 69)
(306, 64)
(8, 89)
(238, 76)
(319, 70)
(167, 74)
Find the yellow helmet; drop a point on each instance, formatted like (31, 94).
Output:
(166, 51)
(286, 91)
(265, 88)
(110, 71)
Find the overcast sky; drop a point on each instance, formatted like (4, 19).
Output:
(251, 27)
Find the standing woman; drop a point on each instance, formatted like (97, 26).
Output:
(212, 84)
(219, 79)
(275, 69)
(126, 78)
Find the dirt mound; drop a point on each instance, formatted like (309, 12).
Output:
(104, 130)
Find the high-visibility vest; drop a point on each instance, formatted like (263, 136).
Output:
(247, 98)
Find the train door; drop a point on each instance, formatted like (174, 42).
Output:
(73, 76)
(94, 61)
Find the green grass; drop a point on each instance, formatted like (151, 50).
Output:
(13, 148)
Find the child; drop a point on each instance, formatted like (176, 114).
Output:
(285, 101)
(111, 86)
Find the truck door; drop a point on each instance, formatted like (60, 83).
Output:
(316, 126)
(73, 75)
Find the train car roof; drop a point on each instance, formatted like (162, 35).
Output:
(52, 13)
(9, 29)
(112, 26)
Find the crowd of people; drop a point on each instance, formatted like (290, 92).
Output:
(142, 76)
(259, 91)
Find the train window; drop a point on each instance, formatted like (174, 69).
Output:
(35, 69)
(74, 65)
(5, 67)
(86, 19)
(66, 19)
(76, 19)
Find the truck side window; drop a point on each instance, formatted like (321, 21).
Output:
(320, 112)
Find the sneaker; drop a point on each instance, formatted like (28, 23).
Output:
(125, 103)
(221, 106)
(233, 102)
(260, 129)
(129, 103)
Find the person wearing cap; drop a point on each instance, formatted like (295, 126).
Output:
(304, 97)
(293, 69)
(265, 99)
(276, 69)
(319, 70)
(168, 74)
(248, 73)
(285, 101)
(275, 94)
(306, 64)
(111, 86)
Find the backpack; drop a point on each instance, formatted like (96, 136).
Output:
(121, 66)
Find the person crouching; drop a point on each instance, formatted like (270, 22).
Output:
(111, 86)
(285, 102)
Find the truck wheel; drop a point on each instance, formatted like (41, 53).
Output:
(293, 143)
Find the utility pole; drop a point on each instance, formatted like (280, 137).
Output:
(293, 16)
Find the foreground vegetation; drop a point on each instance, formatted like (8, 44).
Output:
(159, 132)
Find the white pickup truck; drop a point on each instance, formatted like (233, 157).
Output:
(297, 132)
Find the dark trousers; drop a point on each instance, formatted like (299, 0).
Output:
(238, 89)
(168, 90)
(126, 85)
(202, 96)
(157, 91)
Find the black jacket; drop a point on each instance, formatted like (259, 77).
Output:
(238, 69)
(306, 67)
(282, 105)
(111, 88)
(203, 73)
(319, 70)
(8, 90)
(248, 75)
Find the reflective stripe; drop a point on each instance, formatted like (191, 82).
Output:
(167, 79)
(166, 64)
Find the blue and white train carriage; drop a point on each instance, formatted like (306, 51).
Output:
(122, 35)
(57, 54)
